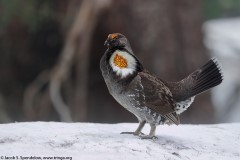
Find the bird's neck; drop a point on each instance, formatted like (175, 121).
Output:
(123, 63)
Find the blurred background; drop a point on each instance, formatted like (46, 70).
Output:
(50, 52)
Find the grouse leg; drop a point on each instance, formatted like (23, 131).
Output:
(151, 134)
(138, 130)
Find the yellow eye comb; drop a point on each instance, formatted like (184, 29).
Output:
(112, 36)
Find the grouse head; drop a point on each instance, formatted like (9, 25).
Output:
(121, 58)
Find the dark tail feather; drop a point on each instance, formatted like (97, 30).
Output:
(210, 75)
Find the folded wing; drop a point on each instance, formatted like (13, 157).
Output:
(158, 97)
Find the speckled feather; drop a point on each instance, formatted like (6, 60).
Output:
(146, 96)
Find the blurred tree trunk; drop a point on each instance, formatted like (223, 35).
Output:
(74, 57)
(166, 36)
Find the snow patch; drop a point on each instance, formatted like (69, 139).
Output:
(90, 141)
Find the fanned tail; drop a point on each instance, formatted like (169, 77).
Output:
(210, 76)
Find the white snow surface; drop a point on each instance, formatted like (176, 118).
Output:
(90, 141)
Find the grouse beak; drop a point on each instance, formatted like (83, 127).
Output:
(106, 43)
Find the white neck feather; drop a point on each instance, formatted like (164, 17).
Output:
(131, 64)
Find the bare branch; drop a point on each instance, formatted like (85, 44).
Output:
(77, 45)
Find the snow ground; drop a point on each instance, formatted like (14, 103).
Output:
(89, 141)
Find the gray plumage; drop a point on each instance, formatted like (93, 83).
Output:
(149, 98)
